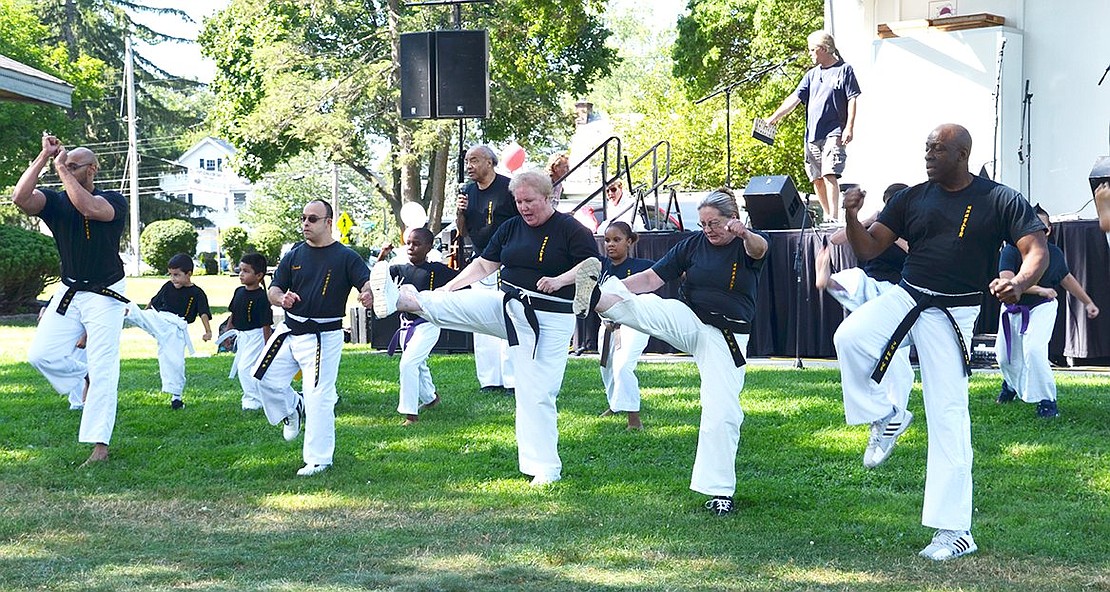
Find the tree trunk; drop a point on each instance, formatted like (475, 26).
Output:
(437, 179)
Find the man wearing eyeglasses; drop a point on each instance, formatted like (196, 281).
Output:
(484, 204)
(87, 224)
(311, 284)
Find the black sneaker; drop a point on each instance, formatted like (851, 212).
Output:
(1006, 395)
(176, 404)
(1047, 409)
(719, 505)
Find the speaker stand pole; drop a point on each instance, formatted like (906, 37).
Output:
(798, 286)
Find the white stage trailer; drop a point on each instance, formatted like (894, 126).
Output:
(925, 76)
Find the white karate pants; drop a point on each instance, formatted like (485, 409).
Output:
(52, 354)
(249, 346)
(721, 381)
(622, 387)
(540, 377)
(859, 342)
(492, 362)
(416, 385)
(1027, 369)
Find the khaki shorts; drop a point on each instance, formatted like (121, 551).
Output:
(825, 157)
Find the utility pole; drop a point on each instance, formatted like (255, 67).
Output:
(132, 153)
(335, 199)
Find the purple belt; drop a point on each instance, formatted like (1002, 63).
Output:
(1010, 309)
(407, 328)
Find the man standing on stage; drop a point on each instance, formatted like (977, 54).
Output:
(829, 91)
(311, 285)
(87, 224)
(483, 205)
(954, 224)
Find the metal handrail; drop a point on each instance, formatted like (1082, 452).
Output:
(657, 181)
(605, 178)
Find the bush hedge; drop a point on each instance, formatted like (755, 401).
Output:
(165, 238)
(268, 239)
(28, 261)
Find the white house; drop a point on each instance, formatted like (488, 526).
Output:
(205, 179)
(1028, 90)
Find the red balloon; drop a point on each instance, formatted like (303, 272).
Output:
(513, 157)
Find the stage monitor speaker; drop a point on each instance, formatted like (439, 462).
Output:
(1100, 173)
(418, 75)
(773, 203)
(462, 74)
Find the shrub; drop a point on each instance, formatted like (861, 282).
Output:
(28, 261)
(165, 238)
(234, 243)
(208, 260)
(268, 239)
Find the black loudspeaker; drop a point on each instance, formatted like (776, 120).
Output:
(462, 74)
(773, 203)
(1100, 173)
(418, 75)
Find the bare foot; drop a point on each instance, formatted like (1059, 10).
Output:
(607, 412)
(410, 419)
(821, 268)
(634, 421)
(99, 454)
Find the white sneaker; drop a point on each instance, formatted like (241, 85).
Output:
(292, 427)
(76, 406)
(541, 480)
(585, 282)
(251, 405)
(949, 544)
(384, 290)
(310, 470)
(884, 434)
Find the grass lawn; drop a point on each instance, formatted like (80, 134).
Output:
(206, 499)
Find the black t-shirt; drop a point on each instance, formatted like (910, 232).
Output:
(428, 275)
(322, 277)
(89, 249)
(250, 309)
(719, 280)
(186, 302)
(954, 236)
(627, 267)
(424, 276)
(887, 267)
(526, 254)
(487, 209)
(1010, 260)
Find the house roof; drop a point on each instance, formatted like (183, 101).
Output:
(223, 145)
(20, 82)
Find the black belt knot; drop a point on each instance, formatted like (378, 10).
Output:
(306, 327)
(925, 301)
(76, 286)
(531, 305)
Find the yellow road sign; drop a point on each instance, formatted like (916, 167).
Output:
(344, 223)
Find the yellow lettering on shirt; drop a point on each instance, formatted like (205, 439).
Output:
(542, 247)
(963, 225)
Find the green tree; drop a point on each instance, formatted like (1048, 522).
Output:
(721, 42)
(28, 261)
(301, 75)
(22, 124)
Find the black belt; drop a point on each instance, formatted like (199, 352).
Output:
(531, 305)
(729, 329)
(308, 327)
(77, 286)
(925, 301)
(612, 340)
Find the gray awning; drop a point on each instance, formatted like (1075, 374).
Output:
(20, 82)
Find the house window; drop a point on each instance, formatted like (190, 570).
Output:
(190, 199)
(219, 164)
(240, 198)
(210, 165)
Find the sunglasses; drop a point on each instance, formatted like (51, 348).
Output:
(76, 167)
(311, 218)
(612, 189)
